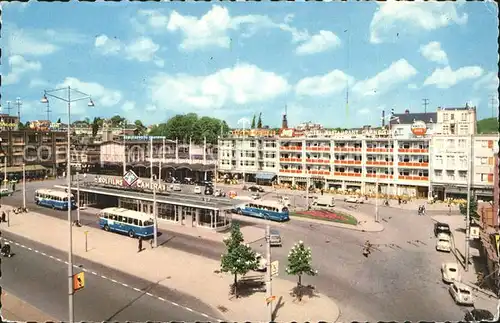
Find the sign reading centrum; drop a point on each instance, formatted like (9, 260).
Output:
(128, 178)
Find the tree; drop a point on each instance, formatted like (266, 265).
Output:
(299, 264)
(239, 258)
(140, 129)
(116, 121)
(253, 122)
(95, 127)
(259, 122)
(472, 209)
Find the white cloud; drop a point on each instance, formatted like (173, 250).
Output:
(364, 111)
(243, 84)
(413, 86)
(38, 83)
(399, 71)
(128, 106)
(444, 78)
(101, 96)
(18, 67)
(433, 52)
(394, 17)
(154, 18)
(488, 82)
(321, 42)
(107, 46)
(328, 84)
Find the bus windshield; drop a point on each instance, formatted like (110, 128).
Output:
(148, 223)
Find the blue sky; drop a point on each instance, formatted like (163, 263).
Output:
(232, 60)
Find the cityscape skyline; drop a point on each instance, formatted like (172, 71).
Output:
(132, 71)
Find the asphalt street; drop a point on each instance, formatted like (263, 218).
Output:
(41, 281)
(400, 281)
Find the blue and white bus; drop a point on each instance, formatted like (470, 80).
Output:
(133, 223)
(54, 199)
(268, 210)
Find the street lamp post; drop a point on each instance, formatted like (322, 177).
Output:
(124, 148)
(68, 100)
(24, 186)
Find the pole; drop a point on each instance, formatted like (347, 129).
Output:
(8, 218)
(86, 245)
(376, 200)
(162, 162)
(244, 155)
(269, 292)
(70, 228)
(24, 186)
(155, 229)
(467, 218)
(124, 149)
(176, 150)
(151, 162)
(307, 190)
(5, 168)
(78, 196)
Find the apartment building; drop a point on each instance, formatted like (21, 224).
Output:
(457, 121)
(8, 122)
(31, 147)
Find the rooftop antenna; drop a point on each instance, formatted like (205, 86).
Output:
(426, 102)
(19, 103)
(48, 111)
(8, 108)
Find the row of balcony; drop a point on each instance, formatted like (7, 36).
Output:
(351, 174)
(353, 149)
(356, 162)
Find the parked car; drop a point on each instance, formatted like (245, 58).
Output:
(450, 273)
(262, 262)
(443, 242)
(255, 196)
(175, 187)
(354, 199)
(255, 189)
(461, 293)
(219, 193)
(324, 200)
(275, 238)
(197, 190)
(209, 190)
(440, 227)
(478, 315)
(188, 181)
(5, 192)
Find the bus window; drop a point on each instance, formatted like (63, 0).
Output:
(112, 217)
(140, 223)
(130, 220)
(136, 222)
(285, 209)
(105, 215)
(148, 222)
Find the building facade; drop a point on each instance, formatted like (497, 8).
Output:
(457, 121)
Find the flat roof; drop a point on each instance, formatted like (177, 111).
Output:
(206, 202)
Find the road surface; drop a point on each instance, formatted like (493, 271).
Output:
(401, 281)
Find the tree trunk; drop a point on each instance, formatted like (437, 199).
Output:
(235, 285)
(299, 289)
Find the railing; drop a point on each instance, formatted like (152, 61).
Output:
(347, 174)
(318, 172)
(318, 161)
(413, 164)
(379, 163)
(379, 150)
(347, 162)
(291, 171)
(384, 176)
(182, 161)
(414, 178)
(293, 160)
(413, 150)
(290, 147)
(318, 148)
(347, 149)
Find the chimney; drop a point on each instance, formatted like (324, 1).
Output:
(383, 118)
(407, 111)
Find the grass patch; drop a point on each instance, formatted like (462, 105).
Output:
(325, 215)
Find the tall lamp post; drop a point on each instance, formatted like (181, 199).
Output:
(68, 99)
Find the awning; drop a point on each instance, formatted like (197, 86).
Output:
(265, 176)
(19, 169)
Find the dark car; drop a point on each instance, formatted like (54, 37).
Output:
(255, 189)
(440, 227)
(188, 181)
(209, 190)
(478, 315)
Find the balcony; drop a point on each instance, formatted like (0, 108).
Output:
(317, 161)
(414, 178)
(347, 162)
(291, 171)
(413, 164)
(413, 150)
(18, 142)
(380, 176)
(318, 172)
(346, 149)
(318, 148)
(379, 150)
(347, 174)
(291, 148)
(291, 160)
(379, 163)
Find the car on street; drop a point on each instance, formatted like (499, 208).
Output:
(197, 190)
(354, 199)
(450, 273)
(443, 242)
(440, 227)
(461, 294)
(275, 238)
(5, 192)
(254, 188)
(324, 200)
(188, 181)
(261, 262)
(209, 190)
(478, 315)
(175, 187)
(285, 200)
(219, 193)
(255, 196)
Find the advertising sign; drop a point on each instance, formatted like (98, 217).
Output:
(419, 128)
(130, 181)
(253, 132)
(143, 138)
(44, 125)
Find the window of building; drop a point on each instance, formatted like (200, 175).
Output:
(406, 145)
(463, 161)
(462, 175)
(450, 174)
(482, 160)
(439, 143)
(439, 160)
(423, 173)
(464, 116)
(445, 117)
(438, 174)
(404, 173)
(484, 177)
(452, 116)
(450, 160)
(462, 143)
(483, 143)
(450, 143)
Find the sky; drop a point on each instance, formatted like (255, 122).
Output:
(339, 64)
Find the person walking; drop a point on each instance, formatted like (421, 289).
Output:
(140, 244)
(4, 217)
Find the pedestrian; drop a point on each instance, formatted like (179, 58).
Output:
(321, 191)
(140, 244)
(4, 217)
(151, 242)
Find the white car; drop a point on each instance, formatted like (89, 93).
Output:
(197, 190)
(175, 187)
(449, 271)
(255, 196)
(443, 242)
(353, 199)
(461, 293)
(262, 262)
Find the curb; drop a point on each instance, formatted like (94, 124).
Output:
(337, 225)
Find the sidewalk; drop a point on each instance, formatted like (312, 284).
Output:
(17, 310)
(192, 274)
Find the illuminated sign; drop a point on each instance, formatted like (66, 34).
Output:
(329, 133)
(254, 132)
(7, 125)
(419, 128)
(138, 183)
(143, 138)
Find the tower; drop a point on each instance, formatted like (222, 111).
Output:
(284, 121)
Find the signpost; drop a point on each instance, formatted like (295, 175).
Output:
(275, 268)
(78, 281)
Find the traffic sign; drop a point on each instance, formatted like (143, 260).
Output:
(275, 265)
(78, 281)
(270, 299)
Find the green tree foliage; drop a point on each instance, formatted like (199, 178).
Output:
(186, 126)
(472, 209)
(259, 122)
(96, 124)
(488, 125)
(253, 122)
(299, 264)
(239, 258)
(116, 121)
(140, 128)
